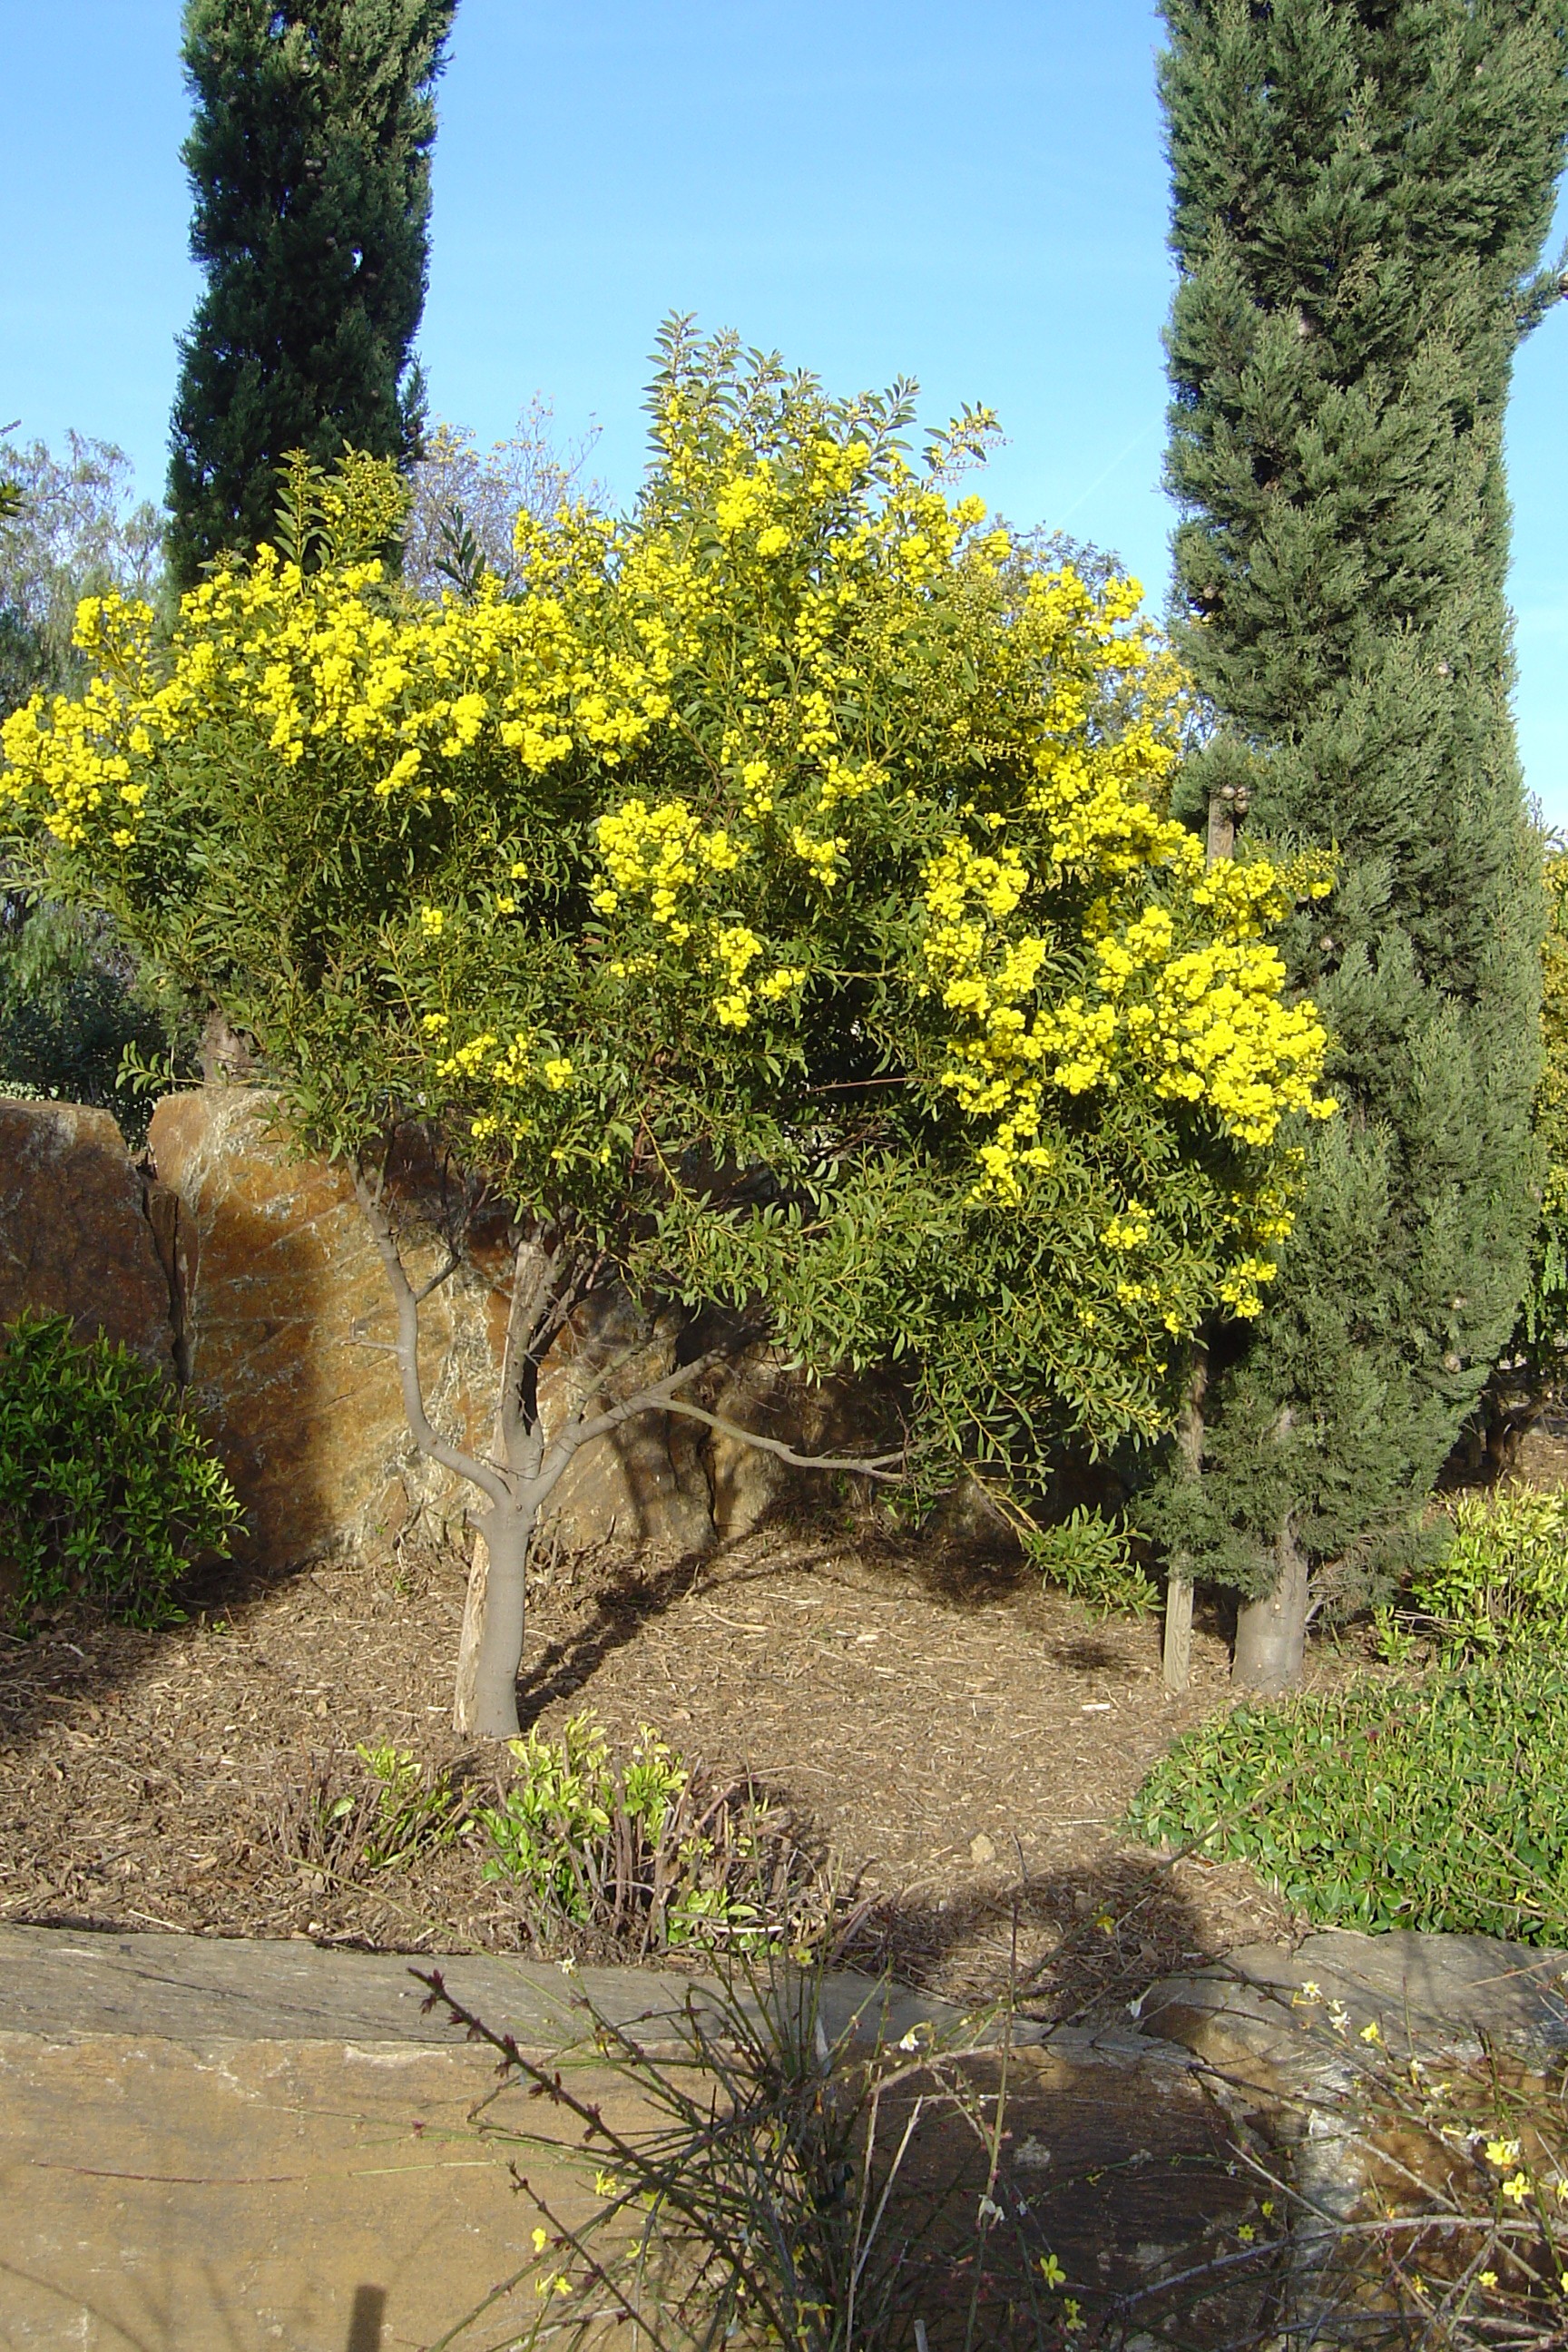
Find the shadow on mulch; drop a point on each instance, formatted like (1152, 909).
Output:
(1076, 1945)
(620, 1612)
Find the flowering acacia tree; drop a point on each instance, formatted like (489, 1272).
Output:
(772, 898)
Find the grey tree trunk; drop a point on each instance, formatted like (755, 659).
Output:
(526, 1462)
(1271, 1632)
(1178, 1650)
(495, 1622)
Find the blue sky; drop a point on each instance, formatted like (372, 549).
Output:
(974, 195)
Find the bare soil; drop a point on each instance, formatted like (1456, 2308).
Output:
(962, 1744)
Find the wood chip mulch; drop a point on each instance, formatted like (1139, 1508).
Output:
(963, 1744)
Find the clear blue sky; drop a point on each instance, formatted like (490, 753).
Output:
(973, 194)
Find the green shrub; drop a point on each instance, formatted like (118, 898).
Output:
(1436, 1805)
(1504, 1578)
(652, 1852)
(108, 1489)
(1088, 1556)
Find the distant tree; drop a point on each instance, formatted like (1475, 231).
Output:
(71, 527)
(310, 161)
(1360, 195)
(462, 517)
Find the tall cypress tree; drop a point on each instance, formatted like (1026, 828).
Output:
(310, 162)
(1361, 188)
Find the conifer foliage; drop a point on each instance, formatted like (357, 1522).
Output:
(1361, 189)
(310, 162)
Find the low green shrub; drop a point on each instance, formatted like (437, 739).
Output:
(653, 1852)
(1503, 1580)
(1088, 1556)
(108, 1489)
(1435, 1805)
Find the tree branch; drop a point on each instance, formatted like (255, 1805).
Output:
(864, 1466)
(489, 1482)
(663, 1397)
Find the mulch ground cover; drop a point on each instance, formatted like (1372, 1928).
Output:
(959, 1745)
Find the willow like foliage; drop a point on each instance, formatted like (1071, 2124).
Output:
(776, 886)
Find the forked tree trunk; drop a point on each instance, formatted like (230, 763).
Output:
(1271, 1632)
(526, 1464)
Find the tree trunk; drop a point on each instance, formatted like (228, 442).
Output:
(494, 1624)
(1271, 1632)
(1178, 1653)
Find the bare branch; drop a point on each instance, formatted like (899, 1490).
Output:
(873, 1465)
(489, 1482)
(656, 1399)
(447, 1271)
(663, 1397)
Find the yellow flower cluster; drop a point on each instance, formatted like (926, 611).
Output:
(1207, 1025)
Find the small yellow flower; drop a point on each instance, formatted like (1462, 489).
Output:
(432, 922)
(1489, 2278)
(1373, 2033)
(1502, 2153)
(1051, 2269)
(1246, 2234)
(1517, 2188)
(540, 2240)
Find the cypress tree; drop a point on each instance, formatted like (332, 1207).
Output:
(1360, 192)
(309, 165)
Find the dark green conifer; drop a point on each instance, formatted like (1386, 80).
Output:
(1361, 188)
(310, 162)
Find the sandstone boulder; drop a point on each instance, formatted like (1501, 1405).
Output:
(78, 1232)
(288, 1321)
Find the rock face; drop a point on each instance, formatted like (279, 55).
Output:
(287, 1316)
(248, 1272)
(79, 1228)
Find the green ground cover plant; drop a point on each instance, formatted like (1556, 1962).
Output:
(107, 1488)
(1434, 1805)
(1501, 1583)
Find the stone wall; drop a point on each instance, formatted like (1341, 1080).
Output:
(247, 1270)
(80, 1228)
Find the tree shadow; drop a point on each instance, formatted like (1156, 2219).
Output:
(621, 1610)
(1080, 1944)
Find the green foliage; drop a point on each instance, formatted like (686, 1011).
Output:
(413, 1811)
(73, 529)
(310, 162)
(1088, 1555)
(1502, 1582)
(786, 907)
(72, 1009)
(1360, 193)
(1436, 1806)
(70, 1000)
(649, 1852)
(108, 1489)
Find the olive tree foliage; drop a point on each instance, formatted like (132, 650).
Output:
(770, 900)
(464, 500)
